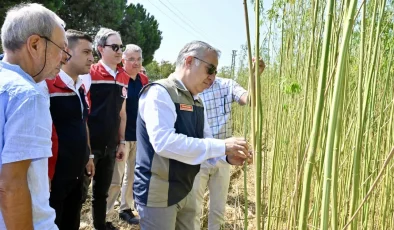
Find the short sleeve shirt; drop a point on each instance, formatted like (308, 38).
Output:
(217, 101)
(26, 126)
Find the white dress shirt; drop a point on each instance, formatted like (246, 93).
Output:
(70, 84)
(157, 109)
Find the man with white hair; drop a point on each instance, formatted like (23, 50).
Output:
(107, 119)
(132, 61)
(174, 138)
(34, 42)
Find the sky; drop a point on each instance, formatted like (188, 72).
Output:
(221, 23)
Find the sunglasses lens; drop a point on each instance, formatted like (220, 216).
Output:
(211, 70)
(115, 47)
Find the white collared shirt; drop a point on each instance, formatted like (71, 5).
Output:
(70, 84)
(25, 134)
(109, 70)
(158, 110)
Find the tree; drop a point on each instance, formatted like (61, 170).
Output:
(153, 70)
(90, 15)
(140, 28)
(135, 25)
(166, 68)
(224, 72)
(158, 71)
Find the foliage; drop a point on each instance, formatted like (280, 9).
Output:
(140, 28)
(90, 15)
(134, 23)
(156, 71)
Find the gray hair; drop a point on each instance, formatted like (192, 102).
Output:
(132, 48)
(101, 37)
(194, 48)
(25, 20)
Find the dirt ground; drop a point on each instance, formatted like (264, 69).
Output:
(234, 209)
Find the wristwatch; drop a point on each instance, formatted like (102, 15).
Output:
(91, 156)
(122, 142)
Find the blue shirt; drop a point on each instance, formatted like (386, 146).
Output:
(133, 91)
(25, 134)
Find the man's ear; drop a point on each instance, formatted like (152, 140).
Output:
(100, 49)
(188, 61)
(34, 45)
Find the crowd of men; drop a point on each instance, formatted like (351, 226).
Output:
(68, 122)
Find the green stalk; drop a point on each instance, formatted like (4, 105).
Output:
(258, 111)
(357, 153)
(335, 159)
(251, 100)
(301, 141)
(316, 120)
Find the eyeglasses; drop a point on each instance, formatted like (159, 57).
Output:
(69, 56)
(116, 47)
(211, 69)
(140, 60)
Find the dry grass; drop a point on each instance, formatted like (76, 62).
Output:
(234, 209)
(87, 221)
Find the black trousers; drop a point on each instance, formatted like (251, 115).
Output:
(104, 161)
(66, 198)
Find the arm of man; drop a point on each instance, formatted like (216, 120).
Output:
(158, 110)
(15, 199)
(90, 169)
(122, 129)
(240, 94)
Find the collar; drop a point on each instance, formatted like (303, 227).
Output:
(109, 70)
(69, 81)
(179, 84)
(18, 69)
(216, 81)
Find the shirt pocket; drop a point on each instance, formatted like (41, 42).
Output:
(225, 105)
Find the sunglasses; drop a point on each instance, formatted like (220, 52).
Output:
(116, 47)
(211, 69)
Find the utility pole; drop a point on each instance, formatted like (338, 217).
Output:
(233, 63)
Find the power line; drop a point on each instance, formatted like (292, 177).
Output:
(181, 19)
(185, 17)
(172, 19)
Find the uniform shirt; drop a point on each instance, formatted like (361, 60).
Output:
(26, 124)
(69, 109)
(107, 94)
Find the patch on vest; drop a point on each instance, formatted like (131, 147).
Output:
(185, 107)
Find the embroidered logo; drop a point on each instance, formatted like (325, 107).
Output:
(185, 107)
